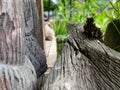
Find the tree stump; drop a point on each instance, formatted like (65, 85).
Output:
(85, 64)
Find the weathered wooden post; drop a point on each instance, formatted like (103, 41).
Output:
(41, 19)
(16, 70)
(33, 36)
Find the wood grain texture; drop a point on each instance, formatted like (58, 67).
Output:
(41, 19)
(11, 36)
(32, 36)
(16, 70)
(84, 65)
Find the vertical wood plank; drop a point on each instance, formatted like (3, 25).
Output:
(42, 31)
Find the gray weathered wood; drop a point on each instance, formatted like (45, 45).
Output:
(84, 65)
(33, 37)
(16, 70)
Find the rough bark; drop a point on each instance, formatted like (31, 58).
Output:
(33, 37)
(84, 65)
(16, 71)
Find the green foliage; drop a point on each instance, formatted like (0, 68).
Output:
(102, 11)
(60, 29)
(108, 14)
(116, 9)
(49, 5)
(102, 20)
(79, 11)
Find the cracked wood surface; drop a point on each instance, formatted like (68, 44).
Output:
(84, 65)
(16, 70)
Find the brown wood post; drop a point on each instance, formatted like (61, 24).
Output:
(42, 31)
